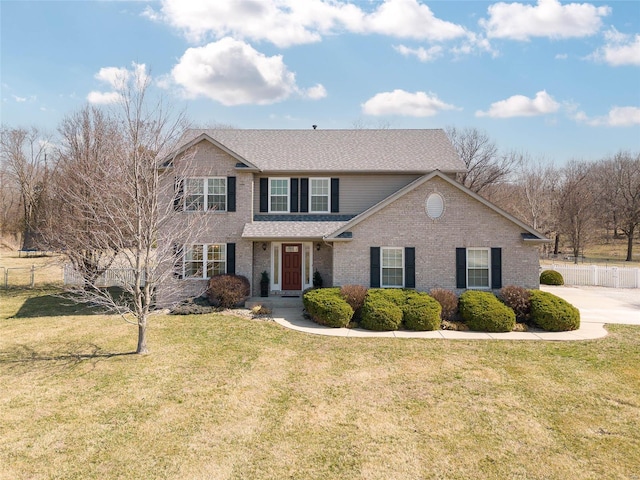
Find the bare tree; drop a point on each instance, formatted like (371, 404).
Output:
(140, 226)
(575, 200)
(486, 166)
(86, 185)
(619, 180)
(24, 159)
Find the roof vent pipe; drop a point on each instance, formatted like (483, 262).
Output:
(314, 126)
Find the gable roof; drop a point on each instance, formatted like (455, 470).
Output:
(529, 234)
(361, 150)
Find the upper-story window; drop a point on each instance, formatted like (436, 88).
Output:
(202, 194)
(279, 195)
(319, 195)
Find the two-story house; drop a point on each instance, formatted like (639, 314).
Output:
(379, 208)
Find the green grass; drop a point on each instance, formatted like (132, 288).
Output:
(229, 398)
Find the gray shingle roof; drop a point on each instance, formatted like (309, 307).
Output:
(292, 230)
(387, 150)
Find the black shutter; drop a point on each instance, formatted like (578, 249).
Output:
(231, 258)
(375, 267)
(304, 195)
(264, 195)
(177, 260)
(335, 195)
(293, 208)
(231, 194)
(410, 267)
(496, 268)
(461, 268)
(178, 194)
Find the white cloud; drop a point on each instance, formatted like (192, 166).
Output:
(521, 106)
(233, 73)
(103, 98)
(617, 117)
(549, 18)
(561, 56)
(19, 99)
(316, 92)
(293, 22)
(619, 49)
(400, 102)
(421, 53)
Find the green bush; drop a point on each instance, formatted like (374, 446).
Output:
(380, 312)
(551, 277)
(482, 311)
(327, 307)
(517, 298)
(228, 291)
(448, 300)
(553, 313)
(421, 312)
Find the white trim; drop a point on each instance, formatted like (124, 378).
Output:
(382, 249)
(481, 287)
(328, 180)
(288, 180)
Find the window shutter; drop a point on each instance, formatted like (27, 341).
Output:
(178, 194)
(375, 268)
(178, 260)
(293, 208)
(231, 194)
(304, 195)
(496, 268)
(264, 195)
(410, 267)
(461, 268)
(231, 258)
(335, 195)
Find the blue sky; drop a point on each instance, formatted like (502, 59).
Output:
(556, 80)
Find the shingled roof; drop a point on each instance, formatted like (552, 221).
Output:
(386, 150)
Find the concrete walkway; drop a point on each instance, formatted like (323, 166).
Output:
(598, 306)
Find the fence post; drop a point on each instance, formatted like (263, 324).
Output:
(33, 275)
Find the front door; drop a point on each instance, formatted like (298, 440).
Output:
(291, 266)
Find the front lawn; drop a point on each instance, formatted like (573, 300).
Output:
(229, 398)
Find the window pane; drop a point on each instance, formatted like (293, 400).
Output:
(478, 268)
(319, 194)
(216, 260)
(279, 198)
(193, 264)
(217, 195)
(194, 193)
(392, 267)
(319, 204)
(276, 264)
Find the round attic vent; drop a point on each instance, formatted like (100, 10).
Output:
(435, 206)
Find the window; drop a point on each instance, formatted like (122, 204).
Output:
(478, 268)
(435, 206)
(279, 195)
(319, 195)
(392, 264)
(202, 194)
(196, 263)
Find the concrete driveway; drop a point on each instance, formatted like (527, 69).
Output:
(601, 304)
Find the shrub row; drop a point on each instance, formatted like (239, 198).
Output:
(391, 309)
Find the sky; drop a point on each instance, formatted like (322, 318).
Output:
(552, 80)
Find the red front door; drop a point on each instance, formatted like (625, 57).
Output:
(291, 266)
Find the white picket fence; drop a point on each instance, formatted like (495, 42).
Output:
(598, 275)
(113, 277)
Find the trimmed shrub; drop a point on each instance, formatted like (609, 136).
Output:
(517, 298)
(421, 312)
(379, 312)
(553, 313)
(551, 277)
(354, 295)
(327, 307)
(228, 291)
(448, 301)
(482, 311)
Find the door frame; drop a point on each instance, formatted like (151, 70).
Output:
(306, 265)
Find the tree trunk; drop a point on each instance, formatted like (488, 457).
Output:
(630, 243)
(142, 336)
(557, 244)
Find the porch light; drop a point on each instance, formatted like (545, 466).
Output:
(264, 246)
(318, 246)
